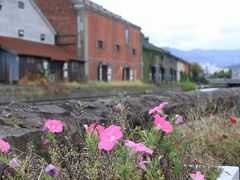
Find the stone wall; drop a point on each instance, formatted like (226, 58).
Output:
(37, 94)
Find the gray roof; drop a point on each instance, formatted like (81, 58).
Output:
(148, 45)
(101, 10)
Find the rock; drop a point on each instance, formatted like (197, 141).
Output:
(51, 109)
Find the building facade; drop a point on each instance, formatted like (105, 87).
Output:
(27, 45)
(110, 46)
(159, 65)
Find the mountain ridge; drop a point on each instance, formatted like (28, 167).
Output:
(220, 58)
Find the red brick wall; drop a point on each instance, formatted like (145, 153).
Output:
(63, 17)
(112, 32)
(186, 68)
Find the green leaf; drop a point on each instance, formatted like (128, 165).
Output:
(172, 154)
(177, 168)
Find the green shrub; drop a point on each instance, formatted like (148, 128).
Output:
(187, 86)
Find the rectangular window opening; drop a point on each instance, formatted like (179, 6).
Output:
(21, 33)
(127, 36)
(42, 37)
(99, 44)
(21, 4)
(134, 51)
(117, 48)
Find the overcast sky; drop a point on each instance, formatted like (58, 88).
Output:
(183, 24)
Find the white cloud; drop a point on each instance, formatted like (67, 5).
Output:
(185, 24)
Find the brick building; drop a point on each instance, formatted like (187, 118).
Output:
(110, 46)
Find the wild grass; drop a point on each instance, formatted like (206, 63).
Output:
(112, 84)
(217, 135)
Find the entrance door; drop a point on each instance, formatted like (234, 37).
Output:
(153, 73)
(104, 72)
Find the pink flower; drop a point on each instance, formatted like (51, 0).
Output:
(89, 129)
(109, 137)
(4, 146)
(158, 108)
(14, 164)
(141, 164)
(138, 147)
(100, 130)
(197, 176)
(162, 124)
(54, 126)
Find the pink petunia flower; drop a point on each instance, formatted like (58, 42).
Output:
(14, 164)
(54, 126)
(197, 176)
(108, 137)
(158, 108)
(141, 164)
(4, 146)
(162, 124)
(138, 147)
(90, 128)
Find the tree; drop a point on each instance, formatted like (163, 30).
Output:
(222, 74)
(196, 72)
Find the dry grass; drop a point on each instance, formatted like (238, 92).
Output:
(217, 135)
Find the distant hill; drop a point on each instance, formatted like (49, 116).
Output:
(220, 58)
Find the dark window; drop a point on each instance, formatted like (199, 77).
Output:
(0, 7)
(21, 4)
(134, 51)
(75, 66)
(161, 57)
(117, 48)
(42, 37)
(30, 61)
(20, 33)
(99, 44)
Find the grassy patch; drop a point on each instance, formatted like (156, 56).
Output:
(187, 86)
(108, 84)
(218, 136)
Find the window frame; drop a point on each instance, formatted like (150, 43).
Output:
(21, 33)
(42, 37)
(21, 4)
(100, 44)
(117, 48)
(134, 51)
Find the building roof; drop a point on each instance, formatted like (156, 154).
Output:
(30, 48)
(101, 10)
(148, 45)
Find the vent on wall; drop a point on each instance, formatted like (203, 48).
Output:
(42, 37)
(20, 33)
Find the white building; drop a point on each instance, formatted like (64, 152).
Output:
(27, 45)
(23, 19)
